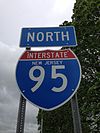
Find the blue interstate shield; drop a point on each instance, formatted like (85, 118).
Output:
(48, 79)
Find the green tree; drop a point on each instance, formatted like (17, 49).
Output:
(86, 19)
(93, 101)
(57, 121)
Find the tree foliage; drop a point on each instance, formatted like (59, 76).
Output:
(86, 19)
(57, 121)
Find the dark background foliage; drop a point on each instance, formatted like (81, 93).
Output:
(86, 19)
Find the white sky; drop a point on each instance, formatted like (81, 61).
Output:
(15, 14)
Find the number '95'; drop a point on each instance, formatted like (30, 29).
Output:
(54, 75)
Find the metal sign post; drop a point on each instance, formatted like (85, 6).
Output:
(21, 113)
(42, 124)
(76, 115)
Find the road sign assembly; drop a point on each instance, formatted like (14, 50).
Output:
(48, 78)
(52, 36)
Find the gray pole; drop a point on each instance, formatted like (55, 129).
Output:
(42, 122)
(21, 113)
(76, 115)
(41, 125)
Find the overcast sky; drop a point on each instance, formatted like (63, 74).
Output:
(15, 14)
